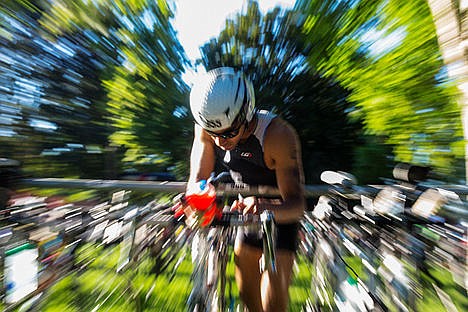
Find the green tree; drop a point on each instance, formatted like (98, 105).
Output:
(271, 49)
(146, 94)
(108, 77)
(51, 97)
(386, 54)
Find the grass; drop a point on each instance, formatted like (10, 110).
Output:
(442, 278)
(298, 291)
(101, 288)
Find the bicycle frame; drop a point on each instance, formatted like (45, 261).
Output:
(212, 254)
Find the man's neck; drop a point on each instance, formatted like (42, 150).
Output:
(250, 128)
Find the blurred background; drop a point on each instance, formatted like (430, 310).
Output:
(100, 89)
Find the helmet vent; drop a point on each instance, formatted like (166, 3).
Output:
(222, 98)
(238, 88)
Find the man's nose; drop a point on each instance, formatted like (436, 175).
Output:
(221, 141)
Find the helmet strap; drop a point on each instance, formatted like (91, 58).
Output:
(249, 126)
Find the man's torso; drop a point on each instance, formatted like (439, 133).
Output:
(246, 162)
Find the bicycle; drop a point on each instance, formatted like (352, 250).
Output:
(46, 235)
(139, 231)
(385, 231)
(152, 231)
(211, 248)
(335, 285)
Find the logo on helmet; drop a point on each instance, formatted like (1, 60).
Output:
(216, 123)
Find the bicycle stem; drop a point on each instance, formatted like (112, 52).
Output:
(268, 259)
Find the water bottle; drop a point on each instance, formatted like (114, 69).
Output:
(201, 196)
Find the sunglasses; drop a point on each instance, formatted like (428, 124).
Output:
(229, 134)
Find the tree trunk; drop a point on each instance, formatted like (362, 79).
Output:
(452, 32)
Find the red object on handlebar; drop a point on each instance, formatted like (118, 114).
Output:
(200, 201)
(203, 198)
(210, 214)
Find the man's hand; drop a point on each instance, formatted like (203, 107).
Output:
(248, 205)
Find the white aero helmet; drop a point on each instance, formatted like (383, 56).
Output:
(222, 98)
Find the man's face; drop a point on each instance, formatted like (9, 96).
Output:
(227, 140)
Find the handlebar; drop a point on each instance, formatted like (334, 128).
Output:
(268, 227)
(390, 203)
(229, 219)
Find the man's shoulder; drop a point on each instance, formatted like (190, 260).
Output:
(280, 127)
(280, 136)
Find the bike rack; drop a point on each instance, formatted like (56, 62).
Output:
(171, 187)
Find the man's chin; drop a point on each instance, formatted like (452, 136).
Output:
(227, 148)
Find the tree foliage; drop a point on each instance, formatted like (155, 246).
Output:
(386, 54)
(109, 74)
(85, 77)
(51, 101)
(272, 51)
(146, 94)
(370, 61)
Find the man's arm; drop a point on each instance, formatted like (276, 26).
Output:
(202, 160)
(202, 157)
(283, 149)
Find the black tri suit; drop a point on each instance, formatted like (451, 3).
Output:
(246, 164)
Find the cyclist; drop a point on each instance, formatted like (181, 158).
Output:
(257, 148)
